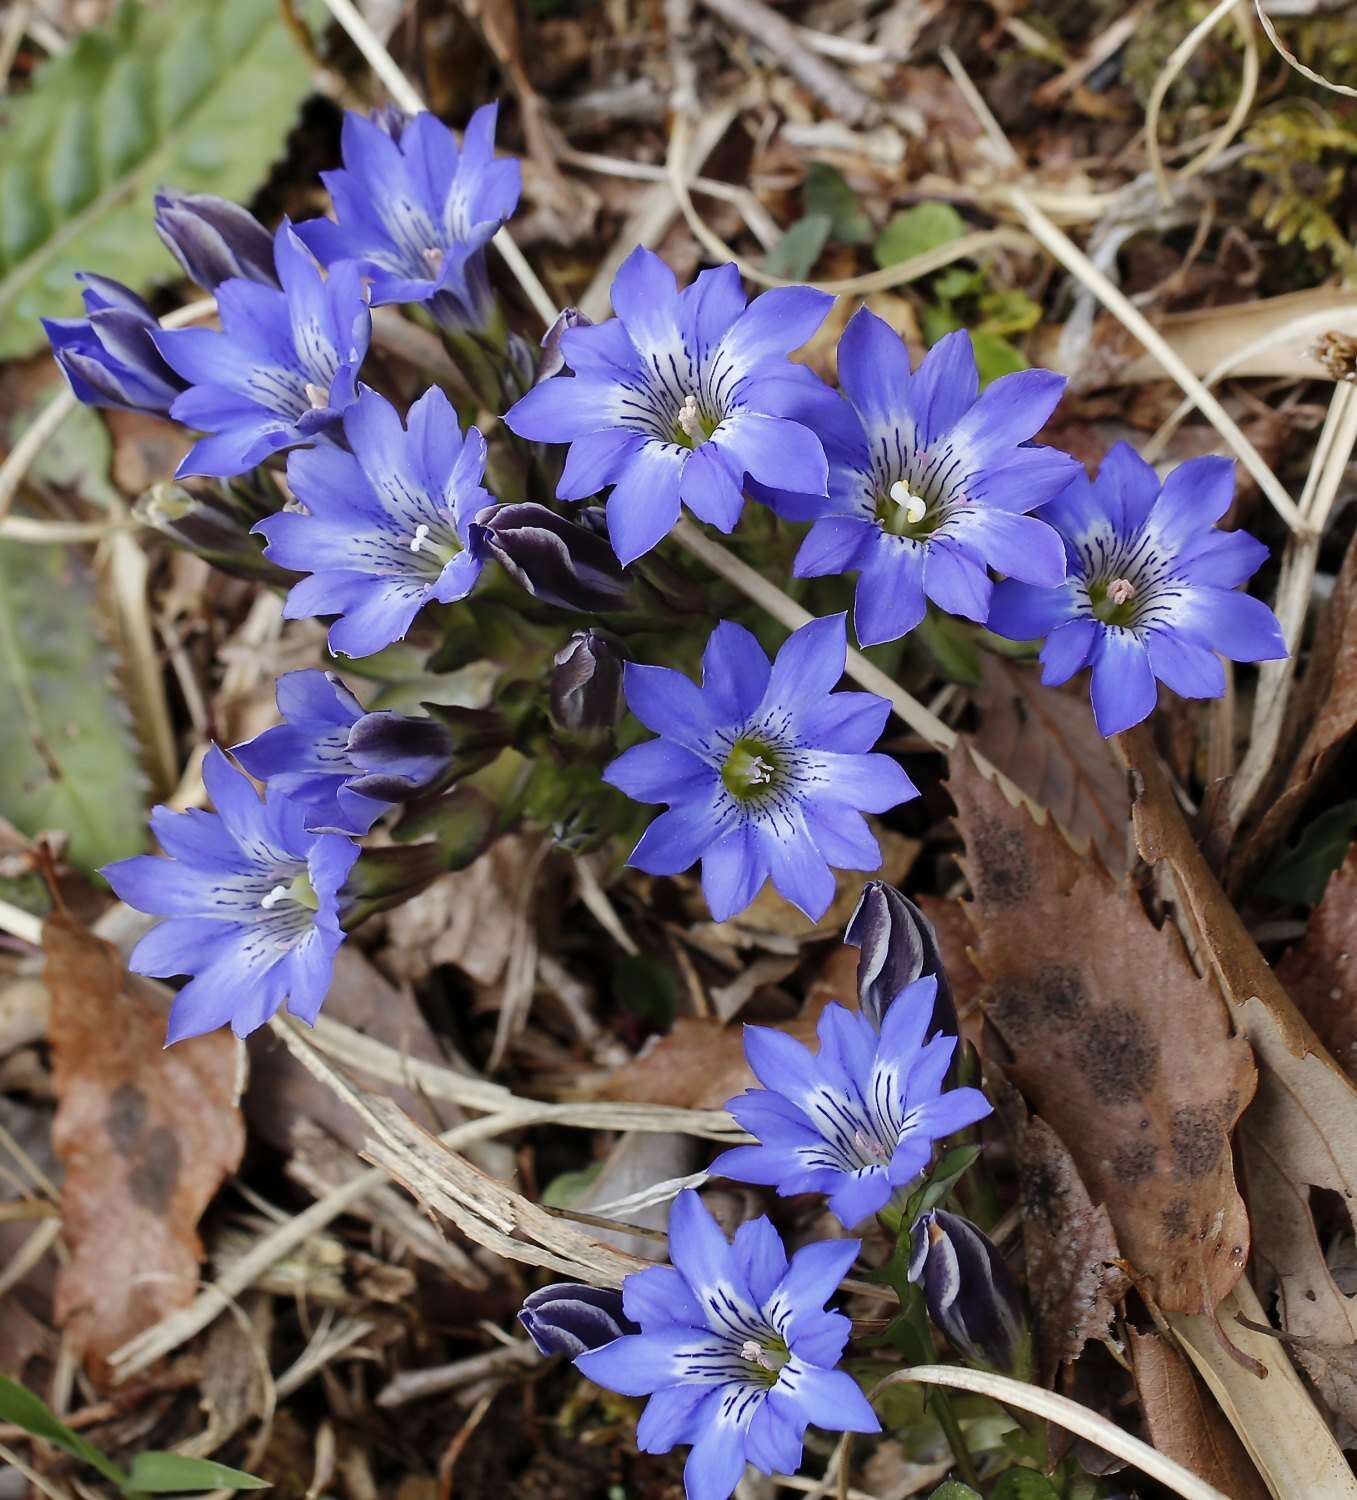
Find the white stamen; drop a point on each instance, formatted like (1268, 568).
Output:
(754, 1352)
(760, 772)
(277, 894)
(419, 538)
(914, 508)
(1121, 591)
(434, 255)
(689, 420)
(317, 395)
(868, 1147)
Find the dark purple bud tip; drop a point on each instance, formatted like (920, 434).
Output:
(555, 560)
(110, 356)
(552, 360)
(214, 239)
(399, 756)
(898, 946)
(569, 1318)
(586, 685)
(969, 1291)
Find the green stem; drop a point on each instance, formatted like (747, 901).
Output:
(916, 1333)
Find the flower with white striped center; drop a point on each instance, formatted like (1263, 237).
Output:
(1152, 590)
(681, 399)
(857, 1120)
(387, 528)
(736, 1351)
(767, 772)
(250, 900)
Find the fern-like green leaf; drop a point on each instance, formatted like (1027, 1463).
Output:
(196, 95)
(67, 761)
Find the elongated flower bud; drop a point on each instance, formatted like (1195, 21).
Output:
(569, 1317)
(555, 560)
(404, 757)
(969, 1291)
(586, 686)
(898, 946)
(214, 239)
(212, 520)
(552, 361)
(110, 356)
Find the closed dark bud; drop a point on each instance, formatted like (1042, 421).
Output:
(898, 946)
(214, 239)
(110, 355)
(552, 360)
(969, 1292)
(404, 757)
(569, 1318)
(214, 522)
(586, 686)
(555, 560)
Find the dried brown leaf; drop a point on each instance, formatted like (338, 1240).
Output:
(1072, 1275)
(1185, 1423)
(1114, 1040)
(1047, 743)
(146, 1135)
(1319, 973)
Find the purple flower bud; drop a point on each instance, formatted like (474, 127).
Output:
(214, 522)
(552, 361)
(569, 1318)
(586, 686)
(214, 239)
(898, 946)
(969, 1291)
(109, 356)
(556, 561)
(403, 757)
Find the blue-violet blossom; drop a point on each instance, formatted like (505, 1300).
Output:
(736, 1351)
(387, 527)
(928, 481)
(1153, 588)
(678, 398)
(109, 356)
(283, 367)
(858, 1119)
(765, 770)
(308, 756)
(251, 899)
(415, 211)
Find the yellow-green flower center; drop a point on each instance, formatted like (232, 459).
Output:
(903, 511)
(750, 769)
(1113, 601)
(299, 890)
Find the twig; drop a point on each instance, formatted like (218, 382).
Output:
(599, 905)
(765, 26)
(415, 1385)
(43, 1485)
(1064, 1413)
(1109, 42)
(1295, 62)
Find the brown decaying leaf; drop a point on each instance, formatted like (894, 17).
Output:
(1185, 1423)
(1072, 1275)
(1318, 973)
(1105, 1027)
(146, 1135)
(700, 1063)
(1048, 744)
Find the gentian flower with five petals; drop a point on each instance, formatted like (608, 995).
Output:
(736, 1351)
(678, 398)
(109, 356)
(929, 479)
(387, 527)
(415, 211)
(767, 772)
(1153, 588)
(857, 1120)
(283, 367)
(251, 901)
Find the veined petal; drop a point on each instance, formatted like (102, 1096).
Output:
(776, 452)
(1068, 648)
(809, 663)
(660, 771)
(1024, 612)
(1225, 620)
(945, 387)
(1194, 497)
(644, 503)
(712, 488)
(798, 868)
(735, 672)
(677, 839)
(564, 408)
(734, 869)
(1023, 547)
(834, 544)
(1124, 690)
(668, 703)
(955, 580)
(774, 324)
(890, 599)
(1191, 671)
(874, 374)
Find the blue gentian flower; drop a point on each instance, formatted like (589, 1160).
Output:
(1153, 588)
(929, 479)
(736, 1351)
(415, 211)
(251, 899)
(857, 1120)
(765, 770)
(308, 756)
(109, 356)
(678, 398)
(283, 367)
(387, 527)
(214, 239)
(569, 1317)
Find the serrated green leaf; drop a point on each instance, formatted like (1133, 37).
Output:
(826, 191)
(174, 1473)
(21, 1407)
(197, 95)
(917, 230)
(954, 1490)
(66, 755)
(798, 250)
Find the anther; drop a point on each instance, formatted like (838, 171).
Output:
(420, 537)
(317, 395)
(1121, 591)
(760, 773)
(754, 1352)
(277, 894)
(689, 420)
(914, 508)
(434, 255)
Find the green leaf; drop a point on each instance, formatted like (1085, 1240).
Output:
(1008, 311)
(197, 95)
(952, 1166)
(954, 1490)
(995, 356)
(952, 644)
(1301, 874)
(917, 230)
(567, 1188)
(798, 250)
(826, 191)
(174, 1473)
(66, 754)
(1024, 1484)
(21, 1407)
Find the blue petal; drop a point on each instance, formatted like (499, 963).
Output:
(1222, 559)
(1124, 690)
(1023, 612)
(809, 663)
(1224, 620)
(944, 388)
(798, 868)
(841, 834)
(670, 1417)
(859, 1195)
(677, 839)
(733, 872)
(1023, 479)
(775, 324)
(1023, 547)
(595, 460)
(1194, 497)
(954, 581)
(776, 452)
(831, 1399)
(761, 1259)
(200, 839)
(712, 304)
(382, 615)
(819, 1338)
(773, 1444)
(712, 488)
(717, 1459)
(700, 1252)
(1191, 671)
(182, 945)
(1007, 412)
(659, 771)
(874, 374)
(660, 1295)
(1135, 484)
(850, 723)
(668, 703)
(735, 673)
(233, 796)
(564, 408)
(813, 1276)
(639, 1363)
(890, 600)
(870, 783)
(781, 1063)
(645, 297)
(834, 544)
(1068, 648)
(644, 503)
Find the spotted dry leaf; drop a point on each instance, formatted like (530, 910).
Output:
(146, 1135)
(1102, 1022)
